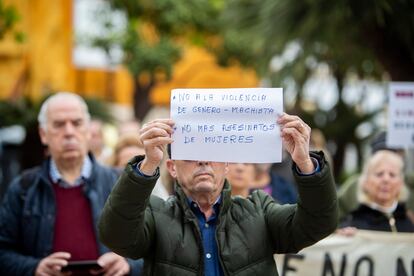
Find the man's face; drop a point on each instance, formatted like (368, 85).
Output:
(66, 132)
(197, 177)
(125, 154)
(96, 143)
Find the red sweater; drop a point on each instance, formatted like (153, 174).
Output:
(74, 230)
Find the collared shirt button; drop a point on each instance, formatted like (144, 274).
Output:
(208, 255)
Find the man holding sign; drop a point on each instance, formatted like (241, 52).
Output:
(202, 230)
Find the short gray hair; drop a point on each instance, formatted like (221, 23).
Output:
(42, 117)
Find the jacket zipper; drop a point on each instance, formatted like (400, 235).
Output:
(391, 222)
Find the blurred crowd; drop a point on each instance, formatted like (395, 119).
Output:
(380, 197)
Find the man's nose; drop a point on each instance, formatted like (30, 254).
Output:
(69, 128)
(203, 163)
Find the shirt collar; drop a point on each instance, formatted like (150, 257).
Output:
(385, 210)
(56, 177)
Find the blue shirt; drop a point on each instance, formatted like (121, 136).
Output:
(56, 177)
(208, 230)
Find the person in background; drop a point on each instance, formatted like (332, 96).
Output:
(49, 215)
(284, 168)
(276, 186)
(126, 148)
(202, 230)
(241, 177)
(347, 193)
(129, 127)
(381, 195)
(97, 142)
(318, 142)
(286, 191)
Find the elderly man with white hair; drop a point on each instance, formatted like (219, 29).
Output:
(49, 214)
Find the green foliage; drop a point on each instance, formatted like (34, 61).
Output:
(359, 38)
(8, 18)
(22, 112)
(143, 57)
(173, 17)
(350, 33)
(153, 38)
(99, 110)
(168, 20)
(271, 25)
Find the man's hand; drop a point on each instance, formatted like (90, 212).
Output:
(112, 265)
(296, 135)
(155, 135)
(52, 264)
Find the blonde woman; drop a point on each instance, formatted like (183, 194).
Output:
(241, 177)
(382, 194)
(126, 148)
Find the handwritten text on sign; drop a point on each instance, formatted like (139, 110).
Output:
(401, 115)
(227, 125)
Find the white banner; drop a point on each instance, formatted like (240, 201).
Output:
(227, 125)
(368, 253)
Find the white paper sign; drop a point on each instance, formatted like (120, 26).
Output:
(367, 253)
(400, 132)
(227, 125)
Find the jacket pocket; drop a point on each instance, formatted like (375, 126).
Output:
(170, 269)
(31, 222)
(265, 266)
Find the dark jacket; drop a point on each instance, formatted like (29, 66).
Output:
(27, 217)
(248, 233)
(370, 219)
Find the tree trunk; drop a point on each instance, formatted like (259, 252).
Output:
(141, 98)
(341, 135)
(339, 158)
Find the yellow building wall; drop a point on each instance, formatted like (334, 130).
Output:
(43, 63)
(12, 55)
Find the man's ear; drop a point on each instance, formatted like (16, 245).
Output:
(43, 137)
(171, 168)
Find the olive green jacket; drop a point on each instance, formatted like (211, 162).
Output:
(249, 231)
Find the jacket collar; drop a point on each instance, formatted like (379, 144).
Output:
(182, 199)
(400, 212)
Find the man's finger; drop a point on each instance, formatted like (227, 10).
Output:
(52, 262)
(60, 255)
(167, 125)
